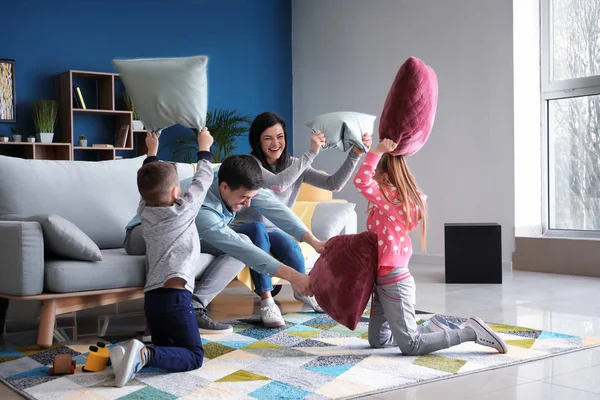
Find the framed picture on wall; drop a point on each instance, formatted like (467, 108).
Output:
(8, 101)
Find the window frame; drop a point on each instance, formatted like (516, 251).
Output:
(563, 89)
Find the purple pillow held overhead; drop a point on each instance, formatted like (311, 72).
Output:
(409, 110)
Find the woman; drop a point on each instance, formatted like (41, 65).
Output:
(284, 175)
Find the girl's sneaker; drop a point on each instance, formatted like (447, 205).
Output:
(486, 336)
(437, 324)
(131, 363)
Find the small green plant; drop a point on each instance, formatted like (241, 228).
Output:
(129, 106)
(225, 126)
(3, 136)
(15, 131)
(82, 137)
(44, 115)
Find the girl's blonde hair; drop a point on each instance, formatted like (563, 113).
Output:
(397, 175)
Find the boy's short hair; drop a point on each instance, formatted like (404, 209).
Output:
(155, 180)
(241, 172)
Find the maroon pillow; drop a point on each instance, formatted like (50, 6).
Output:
(343, 276)
(409, 109)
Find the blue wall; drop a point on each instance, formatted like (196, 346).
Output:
(248, 43)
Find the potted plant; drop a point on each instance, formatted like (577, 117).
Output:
(225, 126)
(44, 117)
(3, 138)
(82, 141)
(31, 139)
(16, 134)
(137, 124)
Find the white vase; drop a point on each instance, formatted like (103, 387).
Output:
(138, 125)
(4, 139)
(46, 137)
(31, 139)
(82, 142)
(17, 138)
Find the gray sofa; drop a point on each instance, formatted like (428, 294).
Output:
(62, 225)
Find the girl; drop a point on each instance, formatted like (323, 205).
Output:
(396, 206)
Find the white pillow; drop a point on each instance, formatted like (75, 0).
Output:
(343, 129)
(167, 91)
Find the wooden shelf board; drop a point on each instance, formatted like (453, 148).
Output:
(94, 148)
(16, 143)
(92, 74)
(51, 144)
(96, 111)
(140, 131)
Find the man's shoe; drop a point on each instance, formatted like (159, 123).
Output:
(209, 327)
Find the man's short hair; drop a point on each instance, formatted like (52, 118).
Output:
(155, 181)
(241, 172)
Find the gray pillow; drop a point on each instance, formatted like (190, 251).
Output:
(330, 218)
(343, 129)
(62, 237)
(167, 91)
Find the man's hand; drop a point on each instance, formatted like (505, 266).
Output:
(300, 282)
(319, 246)
(385, 146)
(301, 285)
(205, 140)
(367, 141)
(152, 144)
(316, 244)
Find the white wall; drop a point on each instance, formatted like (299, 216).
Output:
(345, 55)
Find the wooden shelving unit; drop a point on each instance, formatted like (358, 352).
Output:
(65, 146)
(104, 106)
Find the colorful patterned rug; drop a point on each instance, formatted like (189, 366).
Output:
(312, 358)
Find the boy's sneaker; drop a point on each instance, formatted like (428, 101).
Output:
(209, 327)
(270, 314)
(438, 324)
(116, 356)
(309, 301)
(485, 335)
(130, 364)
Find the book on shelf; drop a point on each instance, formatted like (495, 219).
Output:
(103, 145)
(76, 102)
(122, 135)
(78, 90)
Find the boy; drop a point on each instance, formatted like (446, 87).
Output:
(173, 252)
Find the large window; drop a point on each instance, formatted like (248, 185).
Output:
(571, 114)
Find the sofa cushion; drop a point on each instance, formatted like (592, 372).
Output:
(98, 197)
(330, 218)
(62, 238)
(344, 129)
(409, 110)
(116, 270)
(343, 276)
(167, 91)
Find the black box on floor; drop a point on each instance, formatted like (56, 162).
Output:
(473, 253)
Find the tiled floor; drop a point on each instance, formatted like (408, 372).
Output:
(557, 303)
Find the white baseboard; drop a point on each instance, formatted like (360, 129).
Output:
(439, 260)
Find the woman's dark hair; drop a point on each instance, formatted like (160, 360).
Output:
(261, 123)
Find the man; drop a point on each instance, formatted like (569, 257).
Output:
(237, 183)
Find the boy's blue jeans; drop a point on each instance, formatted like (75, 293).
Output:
(282, 246)
(172, 321)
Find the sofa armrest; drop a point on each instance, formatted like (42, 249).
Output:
(22, 261)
